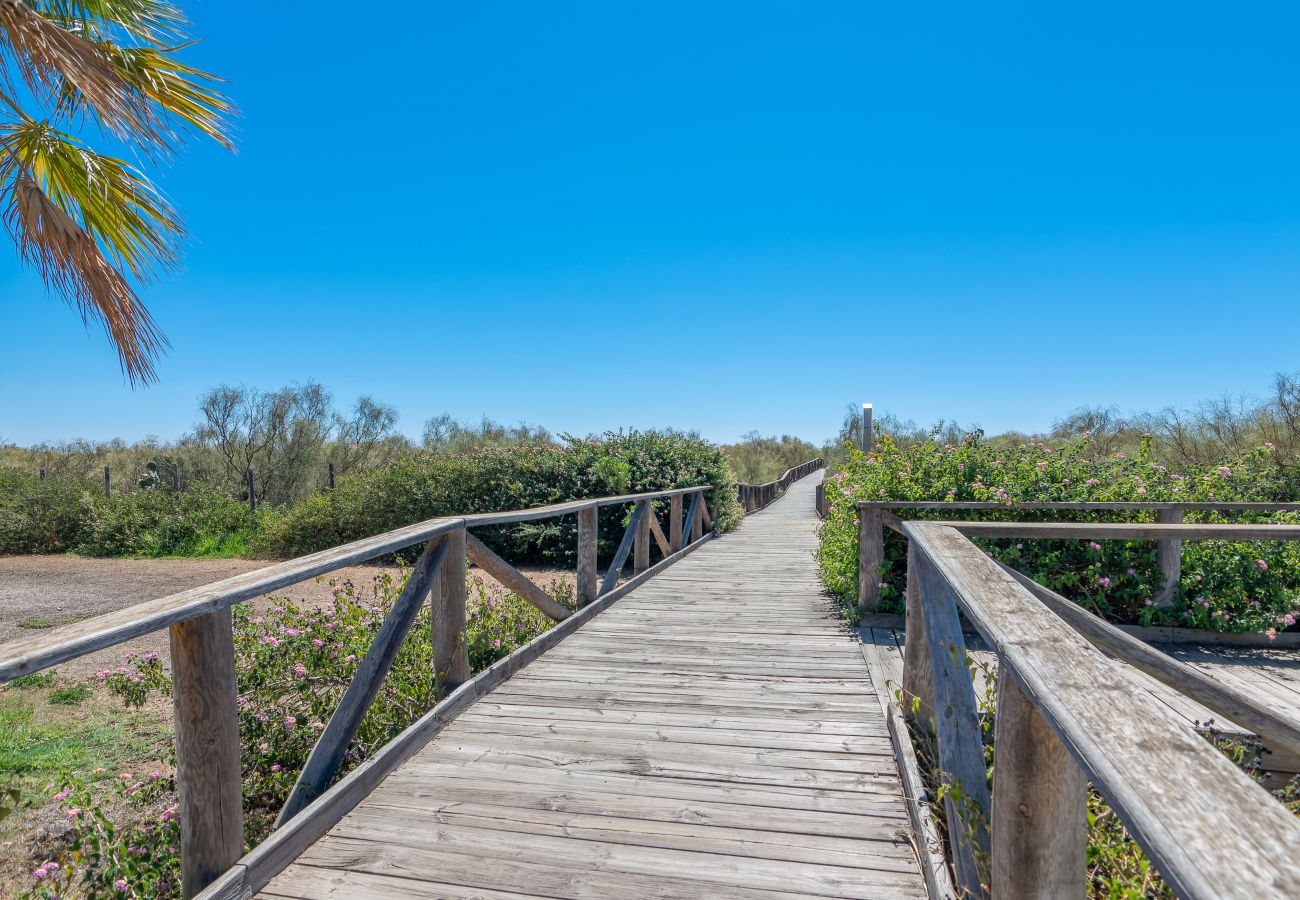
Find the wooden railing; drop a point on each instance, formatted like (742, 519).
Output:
(755, 496)
(872, 516)
(208, 774)
(1067, 715)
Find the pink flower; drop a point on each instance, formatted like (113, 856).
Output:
(1094, 545)
(1105, 582)
(496, 645)
(1263, 565)
(1142, 490)
(317, 643)
(289, 723)
(120, 884)
(1271, 633)
(275, 768)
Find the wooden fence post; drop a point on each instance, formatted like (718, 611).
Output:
(1169, 556)
(42, 473)
(108, 483)
(447, 601)
(208, 775)
(587, 584)
(871, 556)
(1040, 805)
(641, 546)
(956, 716)
(918, 682)
(821, 500)
(252, 494)
(330, 476)
(697, 520)
(868, 437)
(176, 478)
(675, 522)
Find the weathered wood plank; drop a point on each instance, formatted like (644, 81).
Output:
(448, 617)
(587, 587)
(1178, 796)
(483, 556)
(624, 548)
(207, 748)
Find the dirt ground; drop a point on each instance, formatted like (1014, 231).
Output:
(53, 590)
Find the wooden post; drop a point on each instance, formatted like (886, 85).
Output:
(1040, 805)
(697, 521)
(108, 483)
(208, 775)
(961, 745)
(871, 556)
(868, 437)
(330, 476)
(587, 584)
(447, 611)
(252, 494)
(675, 522)
(821, 499)
(176, 478)
(918, 682)
(42, 473)
(641, 547)
(1169, 555)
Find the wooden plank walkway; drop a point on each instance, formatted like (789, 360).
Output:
(713, 734)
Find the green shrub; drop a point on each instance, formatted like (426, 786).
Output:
(1225, 586)
(424, 486)
(165, 523)
(69, 695)
(44, 515)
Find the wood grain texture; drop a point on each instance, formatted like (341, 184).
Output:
(641, 548)
(956, 725)
(1040, 805)
(871, 556)
(483, 556)
(448, 617)
(616, 765)
(208, 776)
(1138, 531)
(660, 538)
(587, 584)
(675, 523)
(1276, 723)
(1080, 505)
(624, 549)
(1180, 798)
(1169, 556)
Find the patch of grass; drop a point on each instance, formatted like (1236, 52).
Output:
(40, 741)
(70, 695)
(34, 680)
(37, 622)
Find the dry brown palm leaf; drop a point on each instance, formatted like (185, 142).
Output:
(70, 262)
(49, 58)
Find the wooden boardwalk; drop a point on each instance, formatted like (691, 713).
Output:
(715, 733)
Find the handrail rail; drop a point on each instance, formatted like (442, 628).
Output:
(1068, 715)
(208, 773)
(756, 496)
(873, 514)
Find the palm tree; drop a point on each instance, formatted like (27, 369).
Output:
(91, 224)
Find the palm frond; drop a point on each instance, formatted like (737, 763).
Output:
(70, 262)
(49, 58)
(114, 203)
(153, 21)
(177, 89)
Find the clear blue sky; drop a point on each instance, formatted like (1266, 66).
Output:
(724, 216)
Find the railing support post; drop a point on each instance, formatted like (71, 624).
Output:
(1040, 805)
(675, 522)
(918, 681)
(587, 576)
(871, 556)
(961, 745)
(1169, 556)
(208, 775)
(641, 546)
(447, 611)
(697, 520)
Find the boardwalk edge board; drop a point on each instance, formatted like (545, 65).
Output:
(283, 847)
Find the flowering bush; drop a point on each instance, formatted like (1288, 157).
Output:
(293, 665)
(1225, 586)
